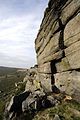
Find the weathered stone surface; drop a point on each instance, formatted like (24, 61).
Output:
(50, 20)
(10, 104)
(69, 82)
(47, 44)
(46, 82)
(50, 46)
(44, 31)
(14, 108)
(26, 104)
(38, 45)
(56, 117)
(27, 77)
(63, 65)
(72, 59)
(72, 31)
(45, 68)
(33, 85)
(32, 102)
(53, 25)
(51, 50)
(72, 8)
(51, 56)
(44, 43)
(73, 55)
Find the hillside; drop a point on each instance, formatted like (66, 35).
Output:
(8, 78)
(7, 70)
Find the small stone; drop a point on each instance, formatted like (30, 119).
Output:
(56, 117)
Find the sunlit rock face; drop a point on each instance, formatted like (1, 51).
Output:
(58, 47)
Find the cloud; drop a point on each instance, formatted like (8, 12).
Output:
(18, 29)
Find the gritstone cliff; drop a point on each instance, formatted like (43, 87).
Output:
(58, 47)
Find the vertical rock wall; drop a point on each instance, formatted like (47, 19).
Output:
(58, 47)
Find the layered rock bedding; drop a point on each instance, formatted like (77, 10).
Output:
(58, 47)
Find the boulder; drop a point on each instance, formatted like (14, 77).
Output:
(15, 106)
(34, 101)
(33, 85)
(69, 82)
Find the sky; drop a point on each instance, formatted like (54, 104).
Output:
(19, 24)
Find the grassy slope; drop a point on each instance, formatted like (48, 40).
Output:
(67, 110)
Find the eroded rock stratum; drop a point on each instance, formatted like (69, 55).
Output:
(58, 47)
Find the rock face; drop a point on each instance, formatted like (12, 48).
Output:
(58, 47)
